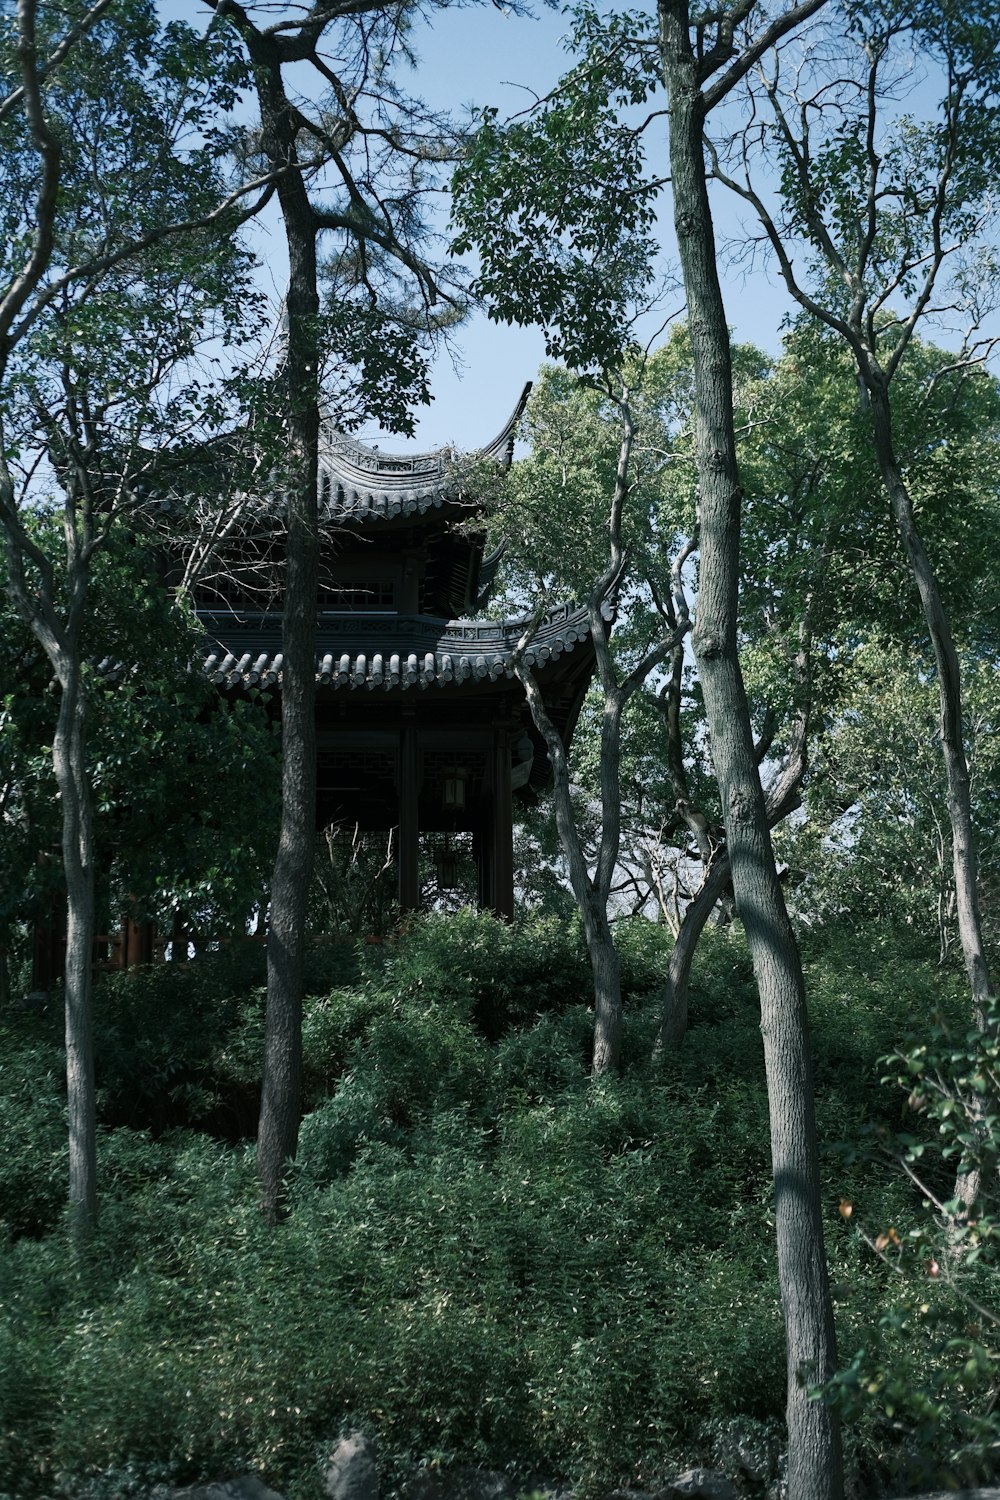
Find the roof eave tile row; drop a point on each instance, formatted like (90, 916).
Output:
(465, 651)
(387, 505)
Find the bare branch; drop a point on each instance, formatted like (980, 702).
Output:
(769, 37)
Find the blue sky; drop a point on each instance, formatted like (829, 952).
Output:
(482, 54)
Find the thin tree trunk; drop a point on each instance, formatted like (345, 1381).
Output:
(949, 682)
(604, 962)
(814, 1449)
(69, 763)
(674, 1015)
(606, 968)
(278, 1130)
(61, 644)
(782, 799)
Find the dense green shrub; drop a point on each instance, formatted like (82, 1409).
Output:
(923, 1378)
(34, 1156)
(535, 1291)
(510, 974)
(489, 1259)
(160, 1034)
(181, 1044)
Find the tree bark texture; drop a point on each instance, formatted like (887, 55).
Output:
(815, 1462)
(69, 764)
(61, 643)
(949, 682)
(782, 800)
(278, 1130)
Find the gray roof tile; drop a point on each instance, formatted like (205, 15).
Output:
(354, 651)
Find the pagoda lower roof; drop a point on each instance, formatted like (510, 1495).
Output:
(389, 651)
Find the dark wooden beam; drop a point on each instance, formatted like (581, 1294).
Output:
(409, 830)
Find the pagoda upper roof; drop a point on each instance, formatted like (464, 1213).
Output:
(389, 651)
(361, 483)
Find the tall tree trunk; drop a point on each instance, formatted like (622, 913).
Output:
(69, 764)
(278, 1131)
(949, 682)
(606, 968)
(814, 1449)
(783, 799)
(61, 644)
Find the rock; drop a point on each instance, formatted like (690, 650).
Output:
(247, 1487)
(987, 1494)
(351, 1472)
(743, 1445)
(698, 1484)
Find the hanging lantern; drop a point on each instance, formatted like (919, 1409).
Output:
(455, 778)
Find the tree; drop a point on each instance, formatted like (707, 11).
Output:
(553, 519)
(378, 170)
(699, 71)
(617, 685)
(815, 506)
(701, 65)
(157, 732)
(104, 295)
(883, 222)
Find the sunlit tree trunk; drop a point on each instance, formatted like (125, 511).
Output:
(814, 1463)
(591, 903)
(278, 1130)
(69, 763)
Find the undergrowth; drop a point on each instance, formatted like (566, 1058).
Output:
(489, 1259)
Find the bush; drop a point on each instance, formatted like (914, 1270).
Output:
(508, 974)
(34, 1159)
(922, 1385)
(409, 1061)
(163, 1035)
(490, 1259)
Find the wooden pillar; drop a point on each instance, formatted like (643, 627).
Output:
(482, 853)
(409, 829)
(502, 831)
(138, 943)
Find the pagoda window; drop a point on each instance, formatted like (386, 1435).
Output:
(377, 595)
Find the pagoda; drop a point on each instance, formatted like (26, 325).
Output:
(422, 725)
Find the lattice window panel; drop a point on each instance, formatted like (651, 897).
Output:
(379, 594)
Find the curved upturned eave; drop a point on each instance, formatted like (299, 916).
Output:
(358, 483)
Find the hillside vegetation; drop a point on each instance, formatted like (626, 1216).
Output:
(490, 1259)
